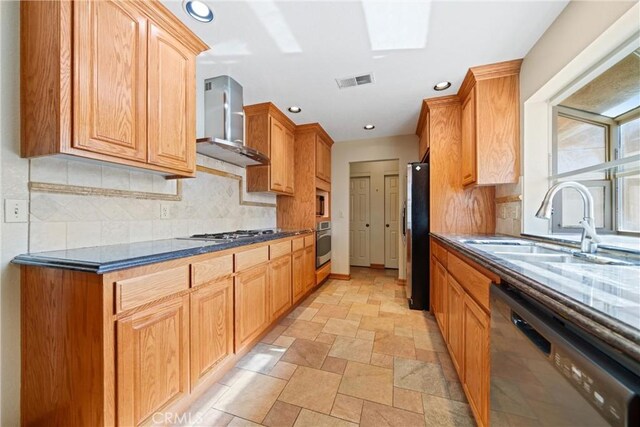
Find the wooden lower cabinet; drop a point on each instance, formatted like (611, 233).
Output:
(440, 295)
(251, 304)
(280, 286)
(309, 267)
(152, 359)
(211, 327)
(298, 284)
(455, 326)
(461, 308)
(476, 358)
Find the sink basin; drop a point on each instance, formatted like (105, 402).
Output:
(528, 251)
(516, 249)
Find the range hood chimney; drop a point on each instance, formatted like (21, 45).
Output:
(224, 124)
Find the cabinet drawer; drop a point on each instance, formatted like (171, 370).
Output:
(248, 259)
(309, 240)
(439, 252)
(298, 244)
(210, 270)
(279, 249)
(475, 283)
(136, 291)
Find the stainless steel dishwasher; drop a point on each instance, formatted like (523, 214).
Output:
(544, 373)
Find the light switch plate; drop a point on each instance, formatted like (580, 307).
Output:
(16, 210)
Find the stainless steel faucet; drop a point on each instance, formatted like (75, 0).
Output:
(590, 239)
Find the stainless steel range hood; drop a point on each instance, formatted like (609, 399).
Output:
(224, 124)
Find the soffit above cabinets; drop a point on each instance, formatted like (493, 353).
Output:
(291, 52)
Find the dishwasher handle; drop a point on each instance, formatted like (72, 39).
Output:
(531, 333)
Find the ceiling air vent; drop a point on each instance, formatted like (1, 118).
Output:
(355, 81)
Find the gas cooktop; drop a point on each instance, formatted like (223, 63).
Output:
(234, 235)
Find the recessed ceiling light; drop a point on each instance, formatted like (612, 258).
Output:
(294, 109)
(369, 127)
(198, 10)
(442, 86)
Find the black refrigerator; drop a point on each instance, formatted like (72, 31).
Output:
(416, 234)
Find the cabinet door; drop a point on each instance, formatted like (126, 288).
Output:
(455, 329)
(280, 285)
(152, 359)
(110, 79)
(298, 275)
(424, 139)
(440, 283)
(469, 163)
(476, 358)
(309, 267)
(289, 161)
(171, 119)
(252, 304)
(211, 327)
(278, 156)
(320, 159)
(327, 163)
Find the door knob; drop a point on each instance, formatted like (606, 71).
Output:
(387, 225)
(366, 225)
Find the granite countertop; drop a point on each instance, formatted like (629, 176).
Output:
(105, 259)
(600, 298)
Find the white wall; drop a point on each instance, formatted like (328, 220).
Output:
(376, 171)
(403, 147)
(576, 28)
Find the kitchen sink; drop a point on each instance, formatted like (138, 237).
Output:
(528, 251)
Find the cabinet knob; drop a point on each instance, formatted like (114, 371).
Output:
(366, 225)
(387, 225)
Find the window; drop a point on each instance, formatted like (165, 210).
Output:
(581, 142)
(628, 180)
(596, 142)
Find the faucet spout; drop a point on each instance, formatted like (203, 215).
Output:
(590, 239)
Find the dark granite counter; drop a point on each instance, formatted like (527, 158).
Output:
(105, 259)
(602, 299)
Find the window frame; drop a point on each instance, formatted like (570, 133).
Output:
(621, 120)
(611, 128)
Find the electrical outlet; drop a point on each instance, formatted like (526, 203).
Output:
(15, 210)
(165, 212)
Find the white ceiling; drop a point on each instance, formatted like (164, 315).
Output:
(290, 52)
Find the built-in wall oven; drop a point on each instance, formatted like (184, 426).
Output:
(323, 243)
(547, 372)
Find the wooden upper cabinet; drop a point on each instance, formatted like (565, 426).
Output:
(171, 93)
(469, 159)
(110, 80)
(490, 99)
(152, 352)
(423, 145)
(323, 159)
(272, 133)
(115, 82)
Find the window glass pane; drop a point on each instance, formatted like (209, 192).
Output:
(580, 144)
(630, 138)
(573, 207)
(630, 204)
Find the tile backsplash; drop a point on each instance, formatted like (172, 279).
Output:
(207, 203)
(509, 209)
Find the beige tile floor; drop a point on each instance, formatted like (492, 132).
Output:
(351, 354)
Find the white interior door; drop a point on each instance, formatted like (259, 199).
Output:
(359, 222)
(391, 220)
